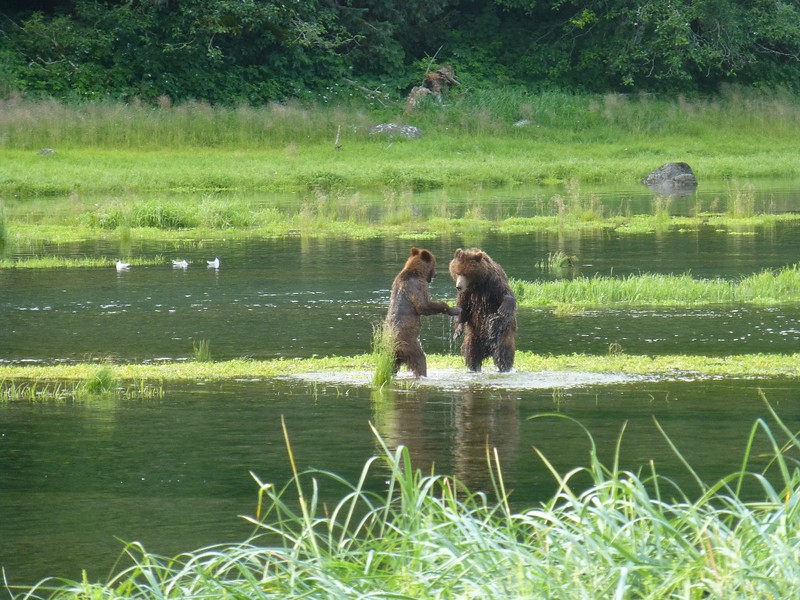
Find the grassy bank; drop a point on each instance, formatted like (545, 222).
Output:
(768, 287)
(742, 365)
(606, 533)
(505, 138)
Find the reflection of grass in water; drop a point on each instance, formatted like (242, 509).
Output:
(384, 347)
(354, 216)
(417, 537)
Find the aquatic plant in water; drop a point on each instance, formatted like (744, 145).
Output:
(201, 350)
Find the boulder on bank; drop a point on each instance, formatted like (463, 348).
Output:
(672, 179)
(392, 130)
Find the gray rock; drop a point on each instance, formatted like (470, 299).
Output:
(392, 129)
(672, 179)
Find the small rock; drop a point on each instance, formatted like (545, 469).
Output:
(672, 179)
(392, 129)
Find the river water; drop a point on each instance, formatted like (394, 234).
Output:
(77, 479)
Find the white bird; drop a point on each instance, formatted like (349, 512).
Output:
(214, 264)
(180, 264)
(121, 266)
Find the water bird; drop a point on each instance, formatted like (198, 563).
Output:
(214, 264)
(122, 266)
(180, 264)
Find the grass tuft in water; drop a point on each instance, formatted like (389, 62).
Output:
(201, 350)
(605, 533)
(384, 348)
(102, 381)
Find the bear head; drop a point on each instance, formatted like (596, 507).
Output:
(421, 262)
(469, 267)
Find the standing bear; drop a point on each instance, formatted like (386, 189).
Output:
(488, 310)
(409, 302)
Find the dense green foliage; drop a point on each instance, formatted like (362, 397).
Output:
(252, 51)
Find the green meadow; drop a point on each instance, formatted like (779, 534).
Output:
(487, 139)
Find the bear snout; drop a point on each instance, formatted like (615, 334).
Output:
(461, 283)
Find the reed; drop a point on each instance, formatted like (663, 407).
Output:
(103, 381)
(606, 532)
(384, 349)
(201, 350)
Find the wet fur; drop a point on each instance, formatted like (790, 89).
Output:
(409, 302)
(488, 316)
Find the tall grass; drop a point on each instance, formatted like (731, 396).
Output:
(504, 137)
(100, 384)
(605, 533)
(201, 350)
(3, 227)
(39, 123)
(384, 349)
(768, 287)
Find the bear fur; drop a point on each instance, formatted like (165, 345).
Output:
(488, 316)
(409, 301)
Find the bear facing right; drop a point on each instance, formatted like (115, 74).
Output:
(488, 316)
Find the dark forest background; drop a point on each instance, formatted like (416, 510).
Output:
(255, 51)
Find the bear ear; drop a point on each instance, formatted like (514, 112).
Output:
(479, 256)
(426, 255)
(459, 253)
(414, 250)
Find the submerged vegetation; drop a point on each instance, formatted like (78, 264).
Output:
(622, 534)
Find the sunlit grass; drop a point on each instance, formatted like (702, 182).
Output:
(62, 262)
(384, 348)
(96, 386)
(201, 350)
(605, 533)
(473, 140)
(768, 287)
(668, 365)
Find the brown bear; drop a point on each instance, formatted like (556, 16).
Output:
(409, 302)
(488, 310)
